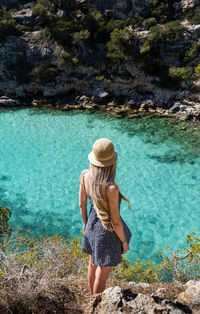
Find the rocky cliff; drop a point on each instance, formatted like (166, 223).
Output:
(119, 58)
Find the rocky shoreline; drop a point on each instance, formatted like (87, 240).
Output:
(101, 101)
(39, 67)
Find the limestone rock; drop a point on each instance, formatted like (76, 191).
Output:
(100, 97)
(7, 102)
(191, 295)
(24, 17)
(175, 108)
(116, 300)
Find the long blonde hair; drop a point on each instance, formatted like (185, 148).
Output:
(97, 181)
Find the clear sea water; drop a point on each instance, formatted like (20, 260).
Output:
(43, 151)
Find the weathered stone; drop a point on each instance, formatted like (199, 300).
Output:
(191, 295)
(112, 104)
(100, 97)
(175, 108)
(132, 104)
(24, 17)
(7, 102)
(115, 300)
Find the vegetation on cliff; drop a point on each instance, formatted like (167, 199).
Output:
(83, 33)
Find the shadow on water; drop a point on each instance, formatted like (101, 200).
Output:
(25, 219)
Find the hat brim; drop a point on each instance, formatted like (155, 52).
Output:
(105, 163)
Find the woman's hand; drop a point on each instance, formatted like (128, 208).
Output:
(125, 247)
(84, 226)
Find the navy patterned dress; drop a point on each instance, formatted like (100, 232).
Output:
(104, 245)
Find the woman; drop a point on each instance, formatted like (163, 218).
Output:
(106, 235)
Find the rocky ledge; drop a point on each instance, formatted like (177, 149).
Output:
(117, 300)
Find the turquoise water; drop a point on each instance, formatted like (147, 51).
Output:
(44, 151)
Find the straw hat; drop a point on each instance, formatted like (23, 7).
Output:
(103, 153)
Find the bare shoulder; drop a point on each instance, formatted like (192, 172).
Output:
(82, 174)
(112, 190)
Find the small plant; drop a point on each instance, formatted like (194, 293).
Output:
(151, 21)
(194, 15)
(8, 26)
(83, 35)
(180, 74)
(181, 266)
(39, 10)
(197, 70)
(75, 61)
(64, 57)
(42, 75)
(104, 79)
(192, 53)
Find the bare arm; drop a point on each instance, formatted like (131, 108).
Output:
(83, 201)
(113, 199)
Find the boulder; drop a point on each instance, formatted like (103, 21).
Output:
(100, 97)
(24, 17)
(8, 102)
(191, 295)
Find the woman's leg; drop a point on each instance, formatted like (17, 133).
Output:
(101, 277)
(91, 274)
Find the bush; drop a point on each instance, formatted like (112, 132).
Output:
(120, 44)
(180, 74)
(39, 10)
(151, 21)
(7, 24)
(194, 16)
(163, 11)
(192, 53)
(181, 267)
(171, 32)
(82, 35)
(42, 75)
(61, 31)
(64, 58)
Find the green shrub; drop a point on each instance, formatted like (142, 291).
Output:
(104, 79)
(64, 58)
(83, 35)
(151, 21)
(181, 266)
(75, 61)
(120, 44)
(45, 33)
(194, 16)
(8, 26)
(192, 53)
(5, 215)
(197, 70)
(170, 32)
(39, 10)
(61, 31)
(163, 11)
(42, 75)
(138, 272)
(180, 74)
(173, 31)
